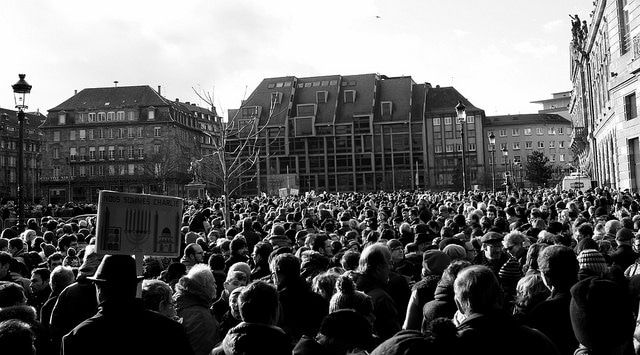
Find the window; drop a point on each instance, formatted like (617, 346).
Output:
(306, 110)
(120, 115)
(623, 25)
(516, 146)
(503, 133)
(101, 134)
(630, 107)
(321, 97)
(552, 144)
(552, 158)
(83, 134)
(112, 153)
(73, 153)
(102, 116)
(349, 96)
(101, 153)
(303, 126)
(121, 132)
(140, 152)
(540, 144)
(471, 119)
(156, 131)
(156, 148)
(447, 121)
(131, 169)
(120, 152)
(458, 147)
(152, 114)
(436, 121)
(111, 133)
(438, 149)
(527, 131)
(91, 133)
(276, 97)
(539, 131)
(130, 152)
(362, 124)
(56, 171)
(560, 130)
(56, 136)
(111, 116)
(561, 144)
(515, 132)
(551, 130)
(92, 117)
(92, 153)
(503, 146)
(528, 144)
(131, 132)
(449, 148)
(249, 112)
(62, 118)
(83, 153)
(385, 108)
(83, 171)
(56, 153)
(140, 132)
(101, 170)
(72, 135)
(130, 116)
(472, 147)
(561, 157)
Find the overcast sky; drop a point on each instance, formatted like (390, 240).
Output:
(500, 54)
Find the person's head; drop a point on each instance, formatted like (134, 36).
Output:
(61, 277)
(39, 279)
(345, 331)
(5, 263)
(397, 250)
(198, 279)
(559, 267)
(285, 267)
(194, 253)
(434, 262)
(530, 291)
(375, 261)
(258, 303)
(492, 245)
(585, 230)
(322, 244)
(17, 338)
(157, 296)
(477, 290)
(67, 241)
(624, 236)
(238, 246)
(234, 307)
(513, 243)
(324, 284)
(16, 245)
(261, 252)
(350, 260)
(116, 278)
(11, 294)
(234, 280)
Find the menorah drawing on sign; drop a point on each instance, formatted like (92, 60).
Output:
(137, 227)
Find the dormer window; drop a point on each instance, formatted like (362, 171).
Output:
(349, 96)
(386, 108)
(306, 110)
(276, 98)
(321, 97)
(62, 118)
(152, 113)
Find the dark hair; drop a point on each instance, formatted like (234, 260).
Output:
(258, 303)
(560, 266)
(350, 259)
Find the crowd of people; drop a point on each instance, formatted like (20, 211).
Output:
(530, 272)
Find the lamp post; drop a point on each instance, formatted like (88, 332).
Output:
(21, 91)
(505, 154)
(462, 119)
(492, 141)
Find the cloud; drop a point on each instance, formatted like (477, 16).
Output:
(553, 26)
(460, 33)
(536, 48)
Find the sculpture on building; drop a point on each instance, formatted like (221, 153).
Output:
(576, 31)
(194, 169)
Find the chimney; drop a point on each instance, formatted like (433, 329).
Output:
(177, 99)
(75, 92)
(159, 90)
(188, 103)
(115, 83)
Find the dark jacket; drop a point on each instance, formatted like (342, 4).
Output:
(423, 292)
(623, 256)
(552, 317)
(442, 305)
(386, 323)
(254, 338)
(498, 333)
(199, 323)
(76, 303)
(126, 329)
(302, 310)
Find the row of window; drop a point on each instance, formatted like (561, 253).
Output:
(517, 159)
(529, 145)
(449, 148)
(99, 170)
(515, 132)
(89, 117)
(105, 153)
(449, 120)
(110, 133)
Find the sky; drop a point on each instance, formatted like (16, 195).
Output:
(499, 54)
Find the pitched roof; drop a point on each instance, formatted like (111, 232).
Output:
(445, 99)
(527, 118)
(34, 119)
(112, 97)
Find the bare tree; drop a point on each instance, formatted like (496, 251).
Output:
(238, 146)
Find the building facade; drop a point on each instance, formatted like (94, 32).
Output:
(605, 62)
(558, 103)
(128, 139)
(519, 136)
(32, 145)
(359, 133)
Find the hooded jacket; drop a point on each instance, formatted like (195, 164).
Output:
(254, 338)
(193, 306)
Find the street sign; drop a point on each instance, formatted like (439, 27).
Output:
(138, 224)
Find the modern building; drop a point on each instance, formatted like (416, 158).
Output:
(605, 62)
(128, 139)
(32, 144)
(558, 103)
(517, 136)
(359, 133)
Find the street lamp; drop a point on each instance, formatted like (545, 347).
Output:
(492, 141)
(505, 154)
(21, 91)
(462, 119)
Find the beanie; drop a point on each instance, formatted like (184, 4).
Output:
(347, 296)
(455, 251)
(601, 313)
(435, 261)
(349, 327)
(191, 237)
(510, 273)
(591, 259)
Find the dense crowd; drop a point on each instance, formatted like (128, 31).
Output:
(532, 272)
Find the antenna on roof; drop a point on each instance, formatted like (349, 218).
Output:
(116, 83)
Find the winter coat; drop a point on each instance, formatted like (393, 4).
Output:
(442, 305)
(386, 323)
(193, 306)
(126, 329)
(423, 292)
(302, 310)
(254, 338)
(76, 303)
(552, 317)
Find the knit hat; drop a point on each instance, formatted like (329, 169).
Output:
(347, 296)
(90, 262)
(349, 327)
(601, 313)
(624, 234)
(455, 251)
(600, 212)
(241, 266)
(435, 261)
(191, 237)
(48, 249)
(510, 273)
(593, 260)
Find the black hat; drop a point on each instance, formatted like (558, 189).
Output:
(117, 270)
(492, 237)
